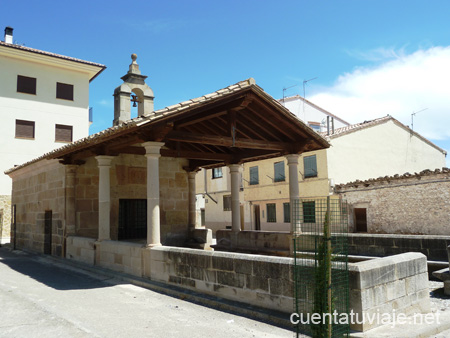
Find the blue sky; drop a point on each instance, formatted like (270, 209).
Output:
(371, 58)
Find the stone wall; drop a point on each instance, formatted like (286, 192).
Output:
(380, 285)
(383, 285)
(5, 218)
(258, 280)
(406, 204)
(36, 189)
(381, 245)
(128, 177)
(120, 256)
(81, 249)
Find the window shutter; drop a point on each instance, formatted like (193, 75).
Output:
(63, 133)
(26, 84)
(279, 172)
(64, 91)
(254, 176)
(25, 129)
(310, 164)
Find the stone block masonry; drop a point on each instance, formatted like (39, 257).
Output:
(407, 204)
(383, 285)
(380, 285)
(5, 218)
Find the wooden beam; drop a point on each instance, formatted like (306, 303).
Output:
(200, 119)
(226, 141)
(193, 155)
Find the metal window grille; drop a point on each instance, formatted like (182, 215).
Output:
(254, 175)
(287, 212)
(310, 164)
(271, 212)
(279, 171)
(321, 266)
(309, 212)
(132, 219)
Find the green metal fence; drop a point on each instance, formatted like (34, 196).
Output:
(321, 267)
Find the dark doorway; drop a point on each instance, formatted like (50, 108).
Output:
(257, 217)
(48, 232)
(14, 226)
(132, 219)
(361, 219)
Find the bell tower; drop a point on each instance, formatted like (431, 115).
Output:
(133, 89)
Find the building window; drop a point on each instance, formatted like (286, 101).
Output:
(64, 91)
(287, 212)
(26, 84)
(310, 165)
(271, 212)
(63, 133)
(279, 171)
(254, 176)
(132, 219)
(309, 212)
(217, 173)
(227, 203)
(315, 126)
(24, 129)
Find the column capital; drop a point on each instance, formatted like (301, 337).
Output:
(152, 149)
(292, 158)
(234, 167)
(71, 169)
(104, 160)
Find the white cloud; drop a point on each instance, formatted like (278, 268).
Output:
(398, 87)
(377, 54)
(106, 103)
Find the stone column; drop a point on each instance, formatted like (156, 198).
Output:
(152, 150)
(294, 190)
(235, 204)
(104, 197)
(192, 213)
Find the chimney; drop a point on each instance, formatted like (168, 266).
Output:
(332, 125)
(9, 35)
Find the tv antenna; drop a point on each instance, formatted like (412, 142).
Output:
(286, 88)
(304, 92)
(304, 86)
(412, 117)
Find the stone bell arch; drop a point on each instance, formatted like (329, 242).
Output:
(133, 84)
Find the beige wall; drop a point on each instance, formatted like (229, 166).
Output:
(41, 186)
(407, 204)
(5, 218)
(384, 149)
(268, 191)
(37, 188)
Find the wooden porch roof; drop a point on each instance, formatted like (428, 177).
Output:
(237, 124)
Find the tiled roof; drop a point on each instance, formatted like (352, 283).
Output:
(367, 124)
(358, 126)
(59, 56)
(142, 120)
(289, 98)
(394, 178)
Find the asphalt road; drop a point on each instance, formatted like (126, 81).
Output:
(41, 298)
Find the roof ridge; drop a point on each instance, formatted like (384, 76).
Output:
(42, 52)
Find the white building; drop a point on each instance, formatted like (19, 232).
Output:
(44, 103)
(317, 118)
(213, 185)
(381, 147)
